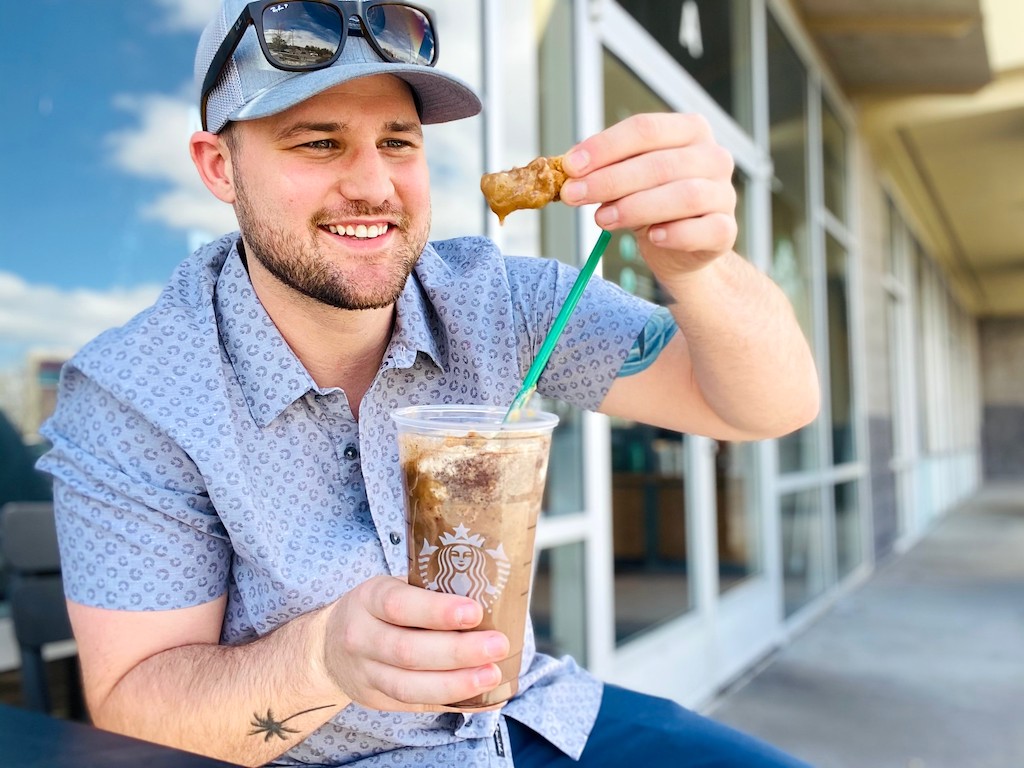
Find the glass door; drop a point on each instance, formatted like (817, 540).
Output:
(693, 602)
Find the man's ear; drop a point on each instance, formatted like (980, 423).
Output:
(212, 159)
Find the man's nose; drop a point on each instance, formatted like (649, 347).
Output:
(366, 176)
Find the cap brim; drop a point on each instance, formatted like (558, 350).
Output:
(442, 97)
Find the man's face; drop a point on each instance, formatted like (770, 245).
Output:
(332, 195)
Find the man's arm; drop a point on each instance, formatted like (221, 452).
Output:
(740, 370)
(740, 367)
(161, 676)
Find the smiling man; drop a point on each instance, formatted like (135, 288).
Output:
(226, 476)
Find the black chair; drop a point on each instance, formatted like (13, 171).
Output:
(32, 561)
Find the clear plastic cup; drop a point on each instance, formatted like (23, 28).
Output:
(473, 489)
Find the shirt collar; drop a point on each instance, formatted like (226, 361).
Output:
(417, 327)
(269, 373)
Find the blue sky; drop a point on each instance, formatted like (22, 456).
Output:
(71, 215)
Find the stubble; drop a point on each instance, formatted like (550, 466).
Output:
(302, 265)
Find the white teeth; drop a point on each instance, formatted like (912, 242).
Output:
(361, 231)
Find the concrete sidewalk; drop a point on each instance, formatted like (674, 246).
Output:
(921, 667)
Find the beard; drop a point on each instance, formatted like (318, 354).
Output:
(302, 266)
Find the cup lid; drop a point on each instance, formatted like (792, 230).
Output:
(458, 418)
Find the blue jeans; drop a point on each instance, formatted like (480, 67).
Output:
(634, 729)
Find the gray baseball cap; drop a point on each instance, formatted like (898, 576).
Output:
(251, 87)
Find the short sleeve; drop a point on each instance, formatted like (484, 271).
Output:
(596, 340)
(136, 528)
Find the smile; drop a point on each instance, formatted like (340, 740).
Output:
(360, 231)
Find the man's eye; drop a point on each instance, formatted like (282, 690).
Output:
(321, 144)
(396, 144)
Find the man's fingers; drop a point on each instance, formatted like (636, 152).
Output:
(428, 690)
(705, 236)
(396, 602)
(423, 650)
(678, 201)
(633, 136)
(392, 646)
(650, 171)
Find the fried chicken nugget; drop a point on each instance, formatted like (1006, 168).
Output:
(532, 186)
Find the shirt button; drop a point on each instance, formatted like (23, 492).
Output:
(350, 452)
(396, 538)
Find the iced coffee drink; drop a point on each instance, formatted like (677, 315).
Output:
(474, 488)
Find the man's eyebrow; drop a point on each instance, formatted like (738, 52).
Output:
(404, 126)
(294, 129)
(303, 127)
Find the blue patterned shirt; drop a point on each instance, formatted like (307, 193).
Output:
(194, 456)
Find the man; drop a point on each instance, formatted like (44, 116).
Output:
(226, 472)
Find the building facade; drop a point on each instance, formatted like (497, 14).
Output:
(673, 563)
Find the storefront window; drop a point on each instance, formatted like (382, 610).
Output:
(803, 556)
(537, 67)
(849, 530)
(649, 512)
(922, 333)
(738, 515)
(833, 137)
(839, 352)
(711, 40)
(557, 602)
(455, 150)
(791, 257)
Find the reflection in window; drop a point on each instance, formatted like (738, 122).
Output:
(538, 72)
(849, 530)
(738, 518)
(563, 492)
(649, 528)
(834, 149)
(839, 353)
(803, 556)
(649, 515)
(922, 307)
(711, 40)
(558, 602)
(791, 265)
(455, 150)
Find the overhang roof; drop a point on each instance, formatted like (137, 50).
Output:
(939, 88)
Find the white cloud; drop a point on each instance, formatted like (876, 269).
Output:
(33, 315)
(188, 15)
(156, 148)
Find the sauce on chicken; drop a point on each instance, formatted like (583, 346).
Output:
(532, 186)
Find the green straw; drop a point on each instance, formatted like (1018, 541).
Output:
(532, 375)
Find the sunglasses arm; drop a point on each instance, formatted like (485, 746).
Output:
(220, 59)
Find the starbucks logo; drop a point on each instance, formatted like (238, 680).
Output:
(459, 563)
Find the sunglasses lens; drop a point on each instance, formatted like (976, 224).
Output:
(301, 34)
(403, 33)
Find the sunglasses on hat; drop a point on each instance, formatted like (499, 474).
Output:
(308, 35)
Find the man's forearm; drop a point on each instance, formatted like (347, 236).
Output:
(749, 355)
(246, 704)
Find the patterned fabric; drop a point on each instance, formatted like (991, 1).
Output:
(194, 456)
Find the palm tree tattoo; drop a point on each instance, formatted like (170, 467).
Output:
(270, 726)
